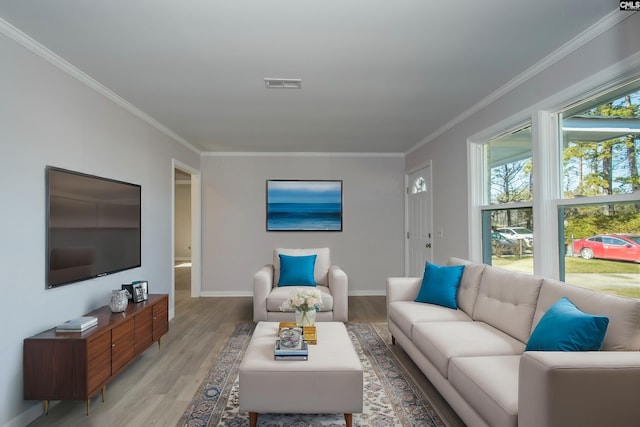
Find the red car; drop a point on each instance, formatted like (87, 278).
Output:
(622, 247)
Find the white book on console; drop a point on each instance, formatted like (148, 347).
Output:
(78, 324)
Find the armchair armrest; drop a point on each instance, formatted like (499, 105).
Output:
(262, 284)
(578, 388)
(338, 284)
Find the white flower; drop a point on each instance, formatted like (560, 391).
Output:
(303, 300)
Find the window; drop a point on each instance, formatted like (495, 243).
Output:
(601, 146)
(601, 247)
(599, 229)
(572, 180)
(510, 167)
(507, 216)
(419, 186)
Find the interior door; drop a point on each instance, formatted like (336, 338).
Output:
(419, 233)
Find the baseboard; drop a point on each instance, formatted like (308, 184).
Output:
(30, 415)
(369, 293)
(218, 294)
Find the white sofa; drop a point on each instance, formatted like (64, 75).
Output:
(331, 280)
(475, 355)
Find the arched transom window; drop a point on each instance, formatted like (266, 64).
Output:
(419, 185)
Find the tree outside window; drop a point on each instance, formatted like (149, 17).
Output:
(601, 161)
(508, 217)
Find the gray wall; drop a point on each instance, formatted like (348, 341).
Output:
(49, 118)
(235, 241)
(602, 60)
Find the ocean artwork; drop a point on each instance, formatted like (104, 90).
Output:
(304, 205)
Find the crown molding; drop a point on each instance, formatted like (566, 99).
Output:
(296, 154)
(23, 39)
(604, 24)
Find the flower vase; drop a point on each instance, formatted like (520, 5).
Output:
(305, 318)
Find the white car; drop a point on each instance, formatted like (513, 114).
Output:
(517, 233)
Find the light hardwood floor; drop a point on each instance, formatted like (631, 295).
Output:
(156, 388)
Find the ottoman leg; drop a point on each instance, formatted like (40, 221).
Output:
(347, 419)
(253, 419)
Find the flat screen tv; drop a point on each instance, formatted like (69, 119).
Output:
(93, 226)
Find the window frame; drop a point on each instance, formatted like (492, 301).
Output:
(547, 201)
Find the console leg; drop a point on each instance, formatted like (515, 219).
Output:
(46, 407)
(104, 387)
(253, 419)
(348, 419)
(88, 402)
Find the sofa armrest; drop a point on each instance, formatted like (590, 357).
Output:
(561, 389)
(402, 289)
(339, 284)
(262, 285)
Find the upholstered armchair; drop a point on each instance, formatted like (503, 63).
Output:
(329, 279)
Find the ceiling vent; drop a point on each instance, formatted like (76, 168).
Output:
(283, 83)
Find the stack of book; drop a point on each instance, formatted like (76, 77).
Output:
(79, 324)
(309, 332)
(300, 352)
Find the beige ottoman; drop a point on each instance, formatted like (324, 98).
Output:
(329, 382)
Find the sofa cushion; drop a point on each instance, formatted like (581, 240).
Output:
(279, 294)
(440, 285)
(297, 270)
(442, 341)
(507, 301)
(469, 284)
(321, 268)
(623, 332)
(490, 385)
(407, 313)
(565, 328)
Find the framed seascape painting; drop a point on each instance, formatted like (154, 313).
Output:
(304, 205)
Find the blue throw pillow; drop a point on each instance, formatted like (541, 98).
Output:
(565, 328)
(297, 270)
(440, 285)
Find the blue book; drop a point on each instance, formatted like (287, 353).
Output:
(283, 351)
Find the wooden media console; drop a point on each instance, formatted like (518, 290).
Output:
(78, 365)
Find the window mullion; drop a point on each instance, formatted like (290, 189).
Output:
(476, 167)
(546, 184)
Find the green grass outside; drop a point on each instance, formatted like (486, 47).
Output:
(581, 265)
(575, 265)
(572, 265)
(625, 292)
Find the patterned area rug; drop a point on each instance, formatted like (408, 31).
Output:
(391, 398)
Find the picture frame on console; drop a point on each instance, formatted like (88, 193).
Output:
(304, 205)
(138, 293)
(145, 288)
(129, 288)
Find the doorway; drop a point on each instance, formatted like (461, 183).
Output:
(419, 223)
(186, 233)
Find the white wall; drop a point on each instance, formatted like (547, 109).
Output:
(600, 61)
(49, 118)
(235, 241)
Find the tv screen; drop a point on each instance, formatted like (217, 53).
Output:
(93, 226)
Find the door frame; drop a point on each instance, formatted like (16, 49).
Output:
(424, 165)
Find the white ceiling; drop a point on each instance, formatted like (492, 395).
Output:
(378, 76)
